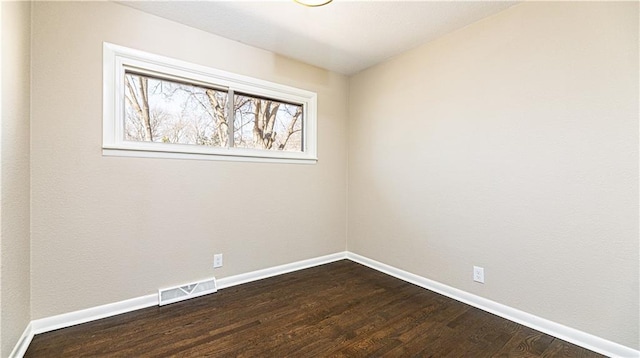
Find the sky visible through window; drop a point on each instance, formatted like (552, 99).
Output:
(164, 111)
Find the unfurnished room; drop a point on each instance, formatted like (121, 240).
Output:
(317, 178)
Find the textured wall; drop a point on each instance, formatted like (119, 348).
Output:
(510, 144)
(14, 181)
(106, 229)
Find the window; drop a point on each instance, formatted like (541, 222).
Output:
(161, 107)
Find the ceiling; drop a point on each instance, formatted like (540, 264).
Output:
(344, 36)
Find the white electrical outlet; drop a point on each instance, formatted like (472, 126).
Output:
(478, 274)
(217, 260)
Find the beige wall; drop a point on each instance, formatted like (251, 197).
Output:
(14, 178)
(106, 229)
(511, 144)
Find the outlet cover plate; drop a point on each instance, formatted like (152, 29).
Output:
(217, 260)
(478, 274)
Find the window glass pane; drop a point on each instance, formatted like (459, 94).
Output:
(267, 124)
(164, 111)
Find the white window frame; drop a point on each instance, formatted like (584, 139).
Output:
(117, 59)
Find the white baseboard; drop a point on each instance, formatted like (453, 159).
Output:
(279, 270)
(64, 320)
(95, 313)
(23, 343)
(577, 337)
(92, 314)
(568, 334)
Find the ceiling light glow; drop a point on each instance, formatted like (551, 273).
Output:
(313, 3)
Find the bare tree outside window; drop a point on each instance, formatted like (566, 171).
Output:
(162, 107)
(267, 124)
(162, 111)
(165, 111)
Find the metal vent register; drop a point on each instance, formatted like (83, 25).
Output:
(185, 292)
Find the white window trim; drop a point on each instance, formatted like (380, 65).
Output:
(118, 58)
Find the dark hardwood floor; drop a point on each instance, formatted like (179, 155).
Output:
(341, 309)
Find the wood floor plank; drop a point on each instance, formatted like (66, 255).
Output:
(526, 342)
(341, 309)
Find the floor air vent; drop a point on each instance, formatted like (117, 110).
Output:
(185, 292)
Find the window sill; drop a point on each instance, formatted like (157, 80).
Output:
(235, 157)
